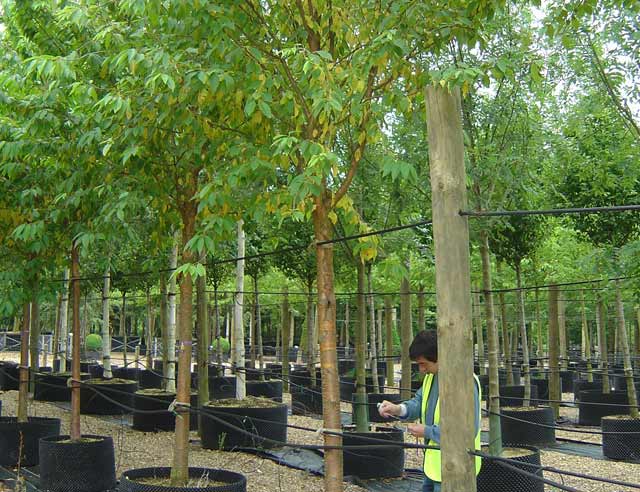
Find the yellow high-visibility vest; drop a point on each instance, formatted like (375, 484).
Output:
(432, 459)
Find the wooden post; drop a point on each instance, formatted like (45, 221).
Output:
(453, 288)
(554, 355)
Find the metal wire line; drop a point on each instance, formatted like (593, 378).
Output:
(555, 211)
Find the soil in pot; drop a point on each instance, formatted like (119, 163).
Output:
(200, 480)
(594, 405)
(494, 477)
(107, 396)
(250, 423)
(621, 438)
(378, 462)
(20, 439)
(537, 430)
(87, 465)
(53, 386)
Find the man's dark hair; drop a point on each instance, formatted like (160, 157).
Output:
(425, 344)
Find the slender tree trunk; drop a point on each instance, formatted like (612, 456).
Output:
(540, 348)
(106, 334)
(180, 468)
(380, 335)
(202, 322)
(327, 331)
(406, 336)
(56, 332)
(602, 336)
(285, 326)
(123, 327)
(586, 338)
(553, 344)
(361, 412)
(258, 320)
(23, 375)
(421, 309)
(34, 334)
(373, 340)
(389, 340)
(626, 355)
(164, 327)
(506, 346)
(562, 327)
(170, 361)
(346, 330)
(149, 330)
(453, 288)
(238, 321)
(523, 334)
(636, 337)
(495, 432)
(84, 325)
(216, 328)
(75, 433)
(311, 337)
(479, 335)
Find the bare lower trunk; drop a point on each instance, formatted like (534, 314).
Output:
(23, 375)
(421, 309)
(34, 334)
(495, 433)
(479, 335)
(311, 337)
(164, 326)
(562, 330)
(406, 335)
(56, 332)
(540, 348)
(285, 324)
(75, 433)
(123, 328)
(204, 341)
(389, 339)
(554, 352)
(586, 338)
(626, 355)
(346, 330)
(328, 357)
(106, 334)
(523, 333)
(258, 327)
(373, 340)
(361, 413)
(238, 320)
(602, 336)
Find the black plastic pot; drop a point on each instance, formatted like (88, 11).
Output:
(274, 370)
(345, 365)
(494, 477)
(583, 385)
(87, 465)
(96, 370)
(348, 386)
(305, 401)
(539, 432)
(616, 444)
(605, 404)
(164, 420)
(502, 375)
(372, 400)
(22, 439)
(229, 481)
(215, 371)
(268, 389)
(222, 387)
(513, 396)
(220, 431)
(255, 374)
(543, 389)
(150, 379)
(107, 399)
(131, 373)
(53, 386)
(377, 462)
(8, 376)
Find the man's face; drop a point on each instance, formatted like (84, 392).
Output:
(426, 366)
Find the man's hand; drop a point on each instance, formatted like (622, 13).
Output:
(416, 430)
(387, 409)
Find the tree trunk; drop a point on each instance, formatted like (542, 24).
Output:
(34, 334)
(285, 326)
(327, 331)
(164, 326)
(586, 339)
(23, 375)
(453, 288)
(123, 327)
(523, 334)
(216, 324)
(106, 334)
(361, 412)
(554, 355)
(83, 325)
(495, 432)
(636, 337)
(75, 433)
(602, 341)
(421, 309)
(506, 346)
(149, 330)
(311, 337)
(258, 327)
(346, 330)
(180, 468)
(56, 331)
(238, 320)
(373, 339)
(170, 357)
(479, 335)
(626, 355)
(562, 329)
(202, 322)
(389, 340)
(406, 336)
(540, 349)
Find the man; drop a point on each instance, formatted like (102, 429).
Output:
(425, 406)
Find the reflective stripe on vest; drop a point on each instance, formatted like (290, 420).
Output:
(432, 460)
